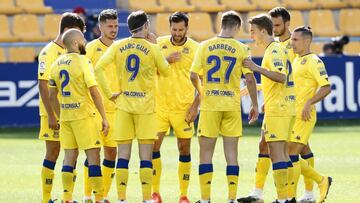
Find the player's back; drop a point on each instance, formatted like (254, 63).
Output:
(221, 59)
(46, 58)
(137, 62)
(275, 59)
(72, 75)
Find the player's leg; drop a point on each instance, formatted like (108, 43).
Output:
(91, 143)
(70, 157)
(52, 145)
(124, 133)
(298, 141)
(184, 132)
(157, 167)
(108, 164)
(163, 125)
(232, 168)
(208, 131)
(308, 156)
(145, 130)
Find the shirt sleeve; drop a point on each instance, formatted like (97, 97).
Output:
(247, 54)
(44, 65)
(277, 61)
(101, 65)
(52, 77)
(161, 62)
(88, 73)
(318, 72)
(90, 52)
(197, 66)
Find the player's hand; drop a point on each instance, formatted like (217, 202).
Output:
(248, 63)
(105, 127)
(253, 114)
(174, 57)
(192, 113)
(53, 122)
(306, 112)
(114, 97)
(151, 37)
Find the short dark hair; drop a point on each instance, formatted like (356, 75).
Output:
(136, 20)
(230, 19)
(108, 14)
(263, 21)
(305, 31)
(71, 20)
(280, 11)
(178, 17)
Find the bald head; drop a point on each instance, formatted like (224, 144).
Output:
(74, 41)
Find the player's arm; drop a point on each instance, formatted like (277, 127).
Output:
(43, 78)
(162, 65)
(251, 86)
(100, 67)
(54, 102)
(96, 97)
(277, 76)
(319, 74)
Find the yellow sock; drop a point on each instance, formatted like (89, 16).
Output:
(280, 173)
(296, 174)
(67, 182)
(146, 172)
(310, 172)
(74, 180)
(290, 183)
(47, 178)
(96, 181)
(232, 174)
(157, 168)
(205, 175)
(262, 169)
(184, 170)
(87, 185)
(309, 184)
(122, 174)
(108, 175)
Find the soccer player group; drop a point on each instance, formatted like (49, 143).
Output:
(148, 85)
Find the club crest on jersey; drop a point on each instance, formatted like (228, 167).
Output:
(303, 61)
(185, 50)
(42, 68)
(56, 134)
(164, 47)
(288, 46)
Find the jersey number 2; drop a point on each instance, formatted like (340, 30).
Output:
(213, 58)
(66, 78)
(289, 78)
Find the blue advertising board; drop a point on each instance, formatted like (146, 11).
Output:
(19, 92)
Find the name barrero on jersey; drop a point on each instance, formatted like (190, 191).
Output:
(134, 46)
(225, 93)
(222, 46)
(64, 62)
(70, 106)
(134, 94)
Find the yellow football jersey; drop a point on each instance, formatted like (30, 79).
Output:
(220, 59)
(290, 92)
(176, 93)
(275, 59)
(137, 62)
(309, 75)
(94, 50)
(47, 56)
(72, 75)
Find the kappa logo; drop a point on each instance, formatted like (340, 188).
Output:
(164, 47)
(232, 183)
(123, 184)
(208, 183)
(186, 177)
(186, 50)
(274, 52)
(48, 181)
(97, 142)
(46, 135)
(187, 129)
(272, 136)
(112, 175)
(298, 137)
(144, 183)
(98, 49)
(303, 61)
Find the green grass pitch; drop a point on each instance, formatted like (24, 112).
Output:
(336, 152)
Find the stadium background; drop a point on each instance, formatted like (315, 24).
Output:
(27, 25)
